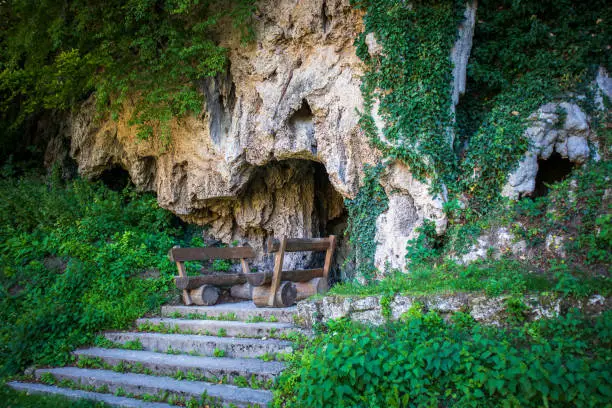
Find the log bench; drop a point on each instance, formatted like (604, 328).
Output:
(203, 290)
(281, 288)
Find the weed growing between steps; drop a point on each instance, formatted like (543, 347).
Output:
(76, 258)
(423, 361)
(138, 368)
(103, 342)
(204, 401)
(15, 399)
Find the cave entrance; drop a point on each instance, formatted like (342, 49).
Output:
(333, 218)
(330, 217)
(116, 178)
(294, 198)
(551, 170)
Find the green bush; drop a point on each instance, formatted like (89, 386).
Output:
(55, 54)
(75, 259)
(425, 362)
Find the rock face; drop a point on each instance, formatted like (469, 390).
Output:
(561, 128)
(375, 310)
(276, 148)
(410, 203)
(494, 243)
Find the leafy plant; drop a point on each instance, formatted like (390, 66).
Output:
(364, 209)
(75, 260)
(423, 361)
(148, 54)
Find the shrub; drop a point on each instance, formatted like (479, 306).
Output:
(73, 261)
(425, 362)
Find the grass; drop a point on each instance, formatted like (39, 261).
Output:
(493, 277)
(13, 399)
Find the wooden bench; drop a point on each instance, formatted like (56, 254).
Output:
(204, 289)
(281, 288)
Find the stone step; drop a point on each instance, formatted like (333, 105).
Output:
(216, 327)
(169, 364)
(140, 384)
(109, 399)
(243, 311)
(203, 345)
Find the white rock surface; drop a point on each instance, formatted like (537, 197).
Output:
(547, 135)
(410, 203)
(493, 243)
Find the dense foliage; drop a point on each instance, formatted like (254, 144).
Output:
(525, 53)
(410, 82)
(76, 258)
(53, 54)
(576, 210)
(422, 361)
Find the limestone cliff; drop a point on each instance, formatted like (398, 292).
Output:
(276, 147)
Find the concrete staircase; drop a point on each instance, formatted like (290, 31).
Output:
(216, 356)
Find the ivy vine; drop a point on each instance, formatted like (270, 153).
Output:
(411, 81)
(363, 210)
(525, 53)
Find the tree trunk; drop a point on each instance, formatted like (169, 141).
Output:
(264, 278)
(205, 295)
(285, 295)
(244, 291)
(310, 288)
(217, 279)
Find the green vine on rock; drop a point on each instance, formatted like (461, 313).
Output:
(410, 81)
(524, 55)
(363, 210)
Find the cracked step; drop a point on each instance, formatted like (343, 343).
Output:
(213, 327)
(239, 311)
(168, 364)
(203, 345)
(109, 399)
(140, 384)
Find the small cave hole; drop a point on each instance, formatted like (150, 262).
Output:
(116, 178)
(301, 125)
(304, 112)
(551, 170)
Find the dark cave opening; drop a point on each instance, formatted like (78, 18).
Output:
(304, 113)
(332, 217)
(551, 170)
(306, 204)
(328, 203)
(116, 178)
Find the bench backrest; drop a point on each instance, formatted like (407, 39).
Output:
(280, 246)
(177, 254)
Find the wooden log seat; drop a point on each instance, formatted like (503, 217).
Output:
(203, 289)
(305, 282)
